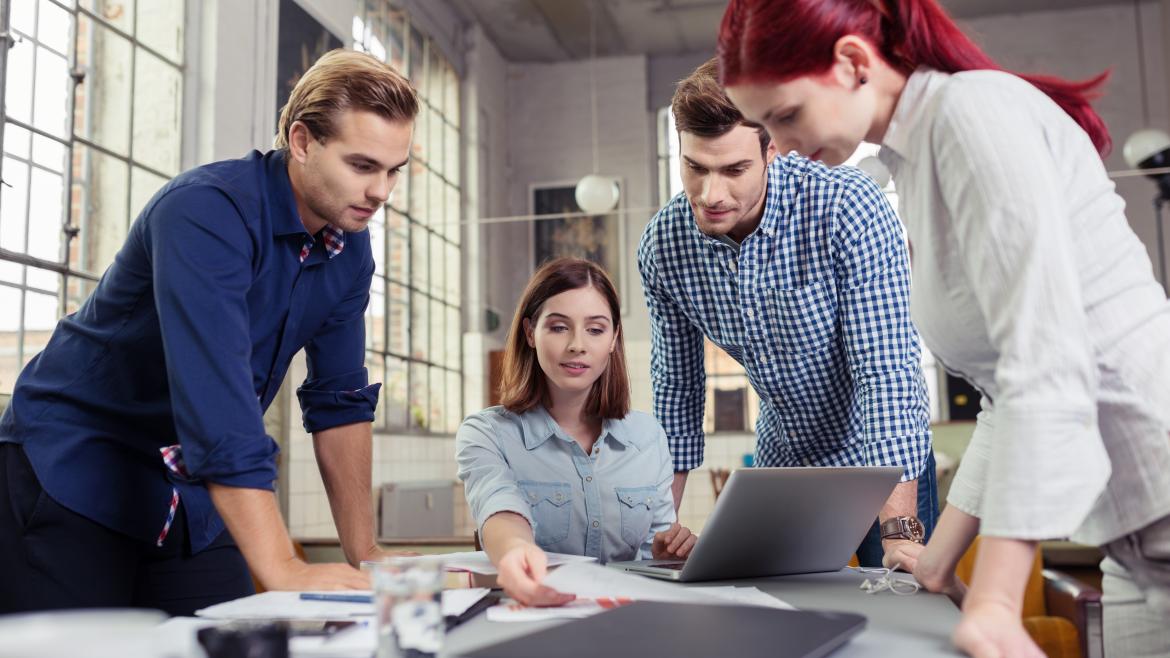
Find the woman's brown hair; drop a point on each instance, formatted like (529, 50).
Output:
(523, 385)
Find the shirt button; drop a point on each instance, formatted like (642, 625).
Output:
(595, 524)
(588, 478)
(559, 496)
(763, 358)
(750, 313)
(806, 462)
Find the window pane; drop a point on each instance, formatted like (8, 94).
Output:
(377, 226)
(53, 27)
(434, 140)
(398, 261)
(437, 417)
(100, 187)
(11, 273)
(415, 64)
(18, 82)
(44, 280)
(157, 113)
(419, 310)
(419, 251)
(438, 333)
(50, 106)
(453, 274)
(375, 367)
(437, 266)
(418, 396)
(48, 153)
(454, 339)
(23, 16)
(45, 217)
(394, 396)
(119, 13)
(420, 148)
(434, 77)
(451, 84)
(451, 153)
(453, 211)
(9, 338)
(436, 190)
(419, 178)
(160, 26)
(13, 205)
(143, 185)
(376, 316)
(16, 140)
(398, 316)
(102, 114)
(454, 401)
(40, 316)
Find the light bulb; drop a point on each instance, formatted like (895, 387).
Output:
(597, 194)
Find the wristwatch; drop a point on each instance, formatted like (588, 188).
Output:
(903, 527)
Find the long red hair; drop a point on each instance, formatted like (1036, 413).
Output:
(778, 40)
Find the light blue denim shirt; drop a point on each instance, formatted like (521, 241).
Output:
(607, 504)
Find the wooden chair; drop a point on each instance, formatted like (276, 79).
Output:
(718, 479)
(1062, 614)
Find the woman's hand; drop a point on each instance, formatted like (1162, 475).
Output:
(994, 631)
(930, 570)
(521, 569)
(674, 543)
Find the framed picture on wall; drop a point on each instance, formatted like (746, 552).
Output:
(301, 40)
(561, 230)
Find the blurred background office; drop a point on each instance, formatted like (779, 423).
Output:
(104, 100)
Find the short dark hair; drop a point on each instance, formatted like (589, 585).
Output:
(701, 107)
(524, 384)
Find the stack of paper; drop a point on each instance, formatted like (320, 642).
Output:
(599, 588)
(290, 605)
(478, 562)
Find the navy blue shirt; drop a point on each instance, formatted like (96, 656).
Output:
(186, 341)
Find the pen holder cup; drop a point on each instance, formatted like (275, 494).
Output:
(407, 602)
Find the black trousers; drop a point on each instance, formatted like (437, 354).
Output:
(53, 558)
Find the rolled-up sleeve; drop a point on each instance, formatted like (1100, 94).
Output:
(966, 492)
(201, 260)
(1046, 461)
(337, 390)
(489, 483)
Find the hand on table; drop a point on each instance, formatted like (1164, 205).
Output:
(298, 575)
(521, 570)
(993, 631)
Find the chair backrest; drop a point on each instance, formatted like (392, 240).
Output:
(1033, 594)
(718, 479)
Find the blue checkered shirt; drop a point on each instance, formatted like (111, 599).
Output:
(815, 304)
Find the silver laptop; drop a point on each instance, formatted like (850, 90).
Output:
(776, 521)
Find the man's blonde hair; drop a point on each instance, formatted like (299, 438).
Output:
(345, 80)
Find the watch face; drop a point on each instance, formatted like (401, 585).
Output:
(917, 532)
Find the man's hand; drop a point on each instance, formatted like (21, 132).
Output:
(994, 631)
(902, 553)
(297, 575)
(521, 570)
(674, 543)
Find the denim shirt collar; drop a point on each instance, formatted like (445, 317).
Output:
(539, 427)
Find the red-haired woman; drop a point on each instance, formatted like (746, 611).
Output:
(1027, 281)
(563, 465)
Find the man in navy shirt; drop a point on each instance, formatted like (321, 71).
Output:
(134, 466)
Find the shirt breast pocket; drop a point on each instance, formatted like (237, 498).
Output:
(804, 319)
(550, 509)
(637, 511)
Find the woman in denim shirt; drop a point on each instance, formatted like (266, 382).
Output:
(563, 465)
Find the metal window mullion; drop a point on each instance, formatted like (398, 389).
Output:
(67, 176)
(134, 45)
(130, 37)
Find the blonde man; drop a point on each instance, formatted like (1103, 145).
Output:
(134, 463)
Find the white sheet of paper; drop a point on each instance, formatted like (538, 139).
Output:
(478, 562)
(591, 582)
(289, 605)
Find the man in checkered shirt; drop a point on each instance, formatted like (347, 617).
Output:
(800, 273)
